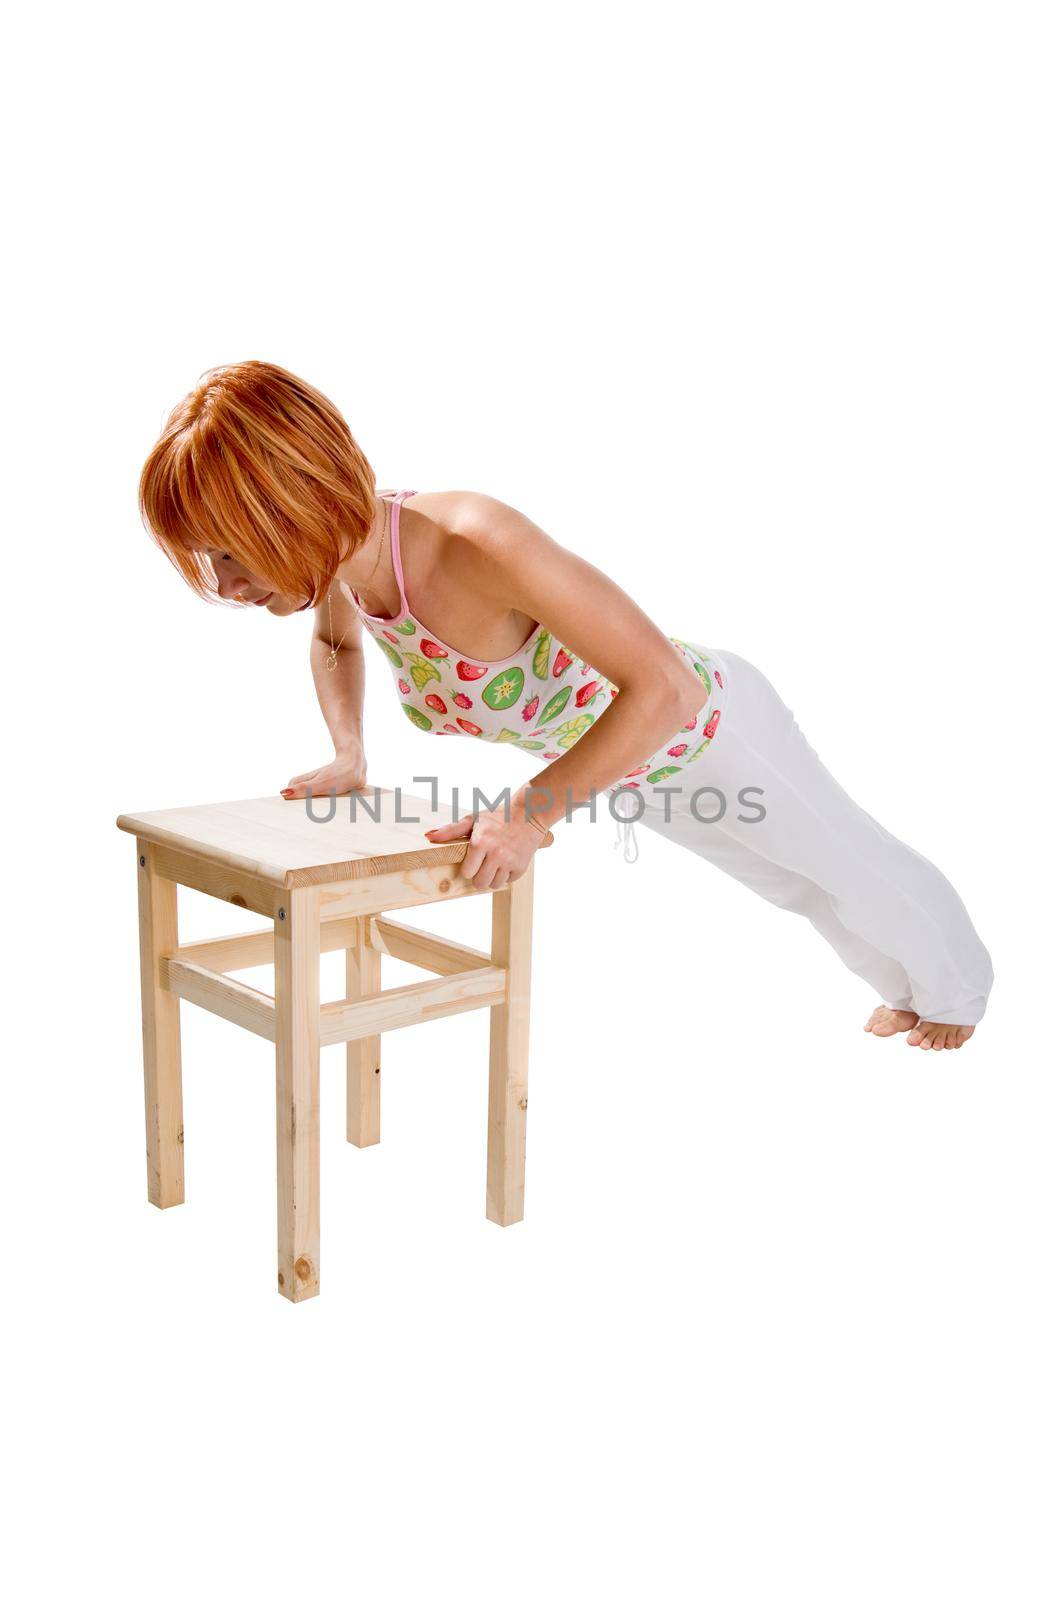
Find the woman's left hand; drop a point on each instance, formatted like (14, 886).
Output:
(499, 851)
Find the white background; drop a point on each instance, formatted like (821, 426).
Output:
(757, 307)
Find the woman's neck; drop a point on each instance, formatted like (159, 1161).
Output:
(371, 564)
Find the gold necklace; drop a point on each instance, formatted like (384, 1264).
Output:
(330, 659)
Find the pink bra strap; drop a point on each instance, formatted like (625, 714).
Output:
(396, 553)
(396, 559)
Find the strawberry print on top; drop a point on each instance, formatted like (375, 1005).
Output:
(542, 698)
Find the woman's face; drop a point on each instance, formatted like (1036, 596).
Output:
(236, 582)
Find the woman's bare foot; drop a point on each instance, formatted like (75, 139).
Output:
(883, 1021)
(939, 1035)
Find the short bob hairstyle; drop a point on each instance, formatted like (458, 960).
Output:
(259, 464)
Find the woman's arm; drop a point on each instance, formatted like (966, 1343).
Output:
(521, 567)
(341, 692)
(526, 569)
(341, 696)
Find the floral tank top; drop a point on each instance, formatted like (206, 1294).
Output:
(542, 698)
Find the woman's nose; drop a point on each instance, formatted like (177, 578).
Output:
(231, 587)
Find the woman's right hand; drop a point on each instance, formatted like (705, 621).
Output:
(345, 773)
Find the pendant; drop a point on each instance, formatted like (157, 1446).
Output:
(330, 662)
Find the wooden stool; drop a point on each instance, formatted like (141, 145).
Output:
(323, 885)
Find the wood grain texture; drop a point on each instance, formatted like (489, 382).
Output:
(423, 949)
(233, 951)
(417, 887)
(291, 845)
(363, 1054)
(410, 1003)
(214, 991)
(507, 1095)
(279, 841)
(297, 960)
(217, 879)
(161, 1021)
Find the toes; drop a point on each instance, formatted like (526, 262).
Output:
(931, 1036)
(885, 1021)
(939, 1036)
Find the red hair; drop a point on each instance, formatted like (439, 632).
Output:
(259, 464)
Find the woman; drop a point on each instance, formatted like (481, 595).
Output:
(259, 495)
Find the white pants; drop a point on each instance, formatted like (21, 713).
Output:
(892, 917)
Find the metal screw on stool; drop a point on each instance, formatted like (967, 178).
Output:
(282, 914)
(143, 861)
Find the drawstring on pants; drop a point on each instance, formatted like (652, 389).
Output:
(625, 835)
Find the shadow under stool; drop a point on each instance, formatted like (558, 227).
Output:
(323, 885)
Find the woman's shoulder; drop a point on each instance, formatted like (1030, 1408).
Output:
(466, 527)
(472, 518)
(455, 509)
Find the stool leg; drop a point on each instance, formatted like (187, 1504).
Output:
(297, 961)
(363, 1055)
(507, 1097)
(161, 1018)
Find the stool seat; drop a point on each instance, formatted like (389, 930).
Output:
(296, 842)
(323, 873)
